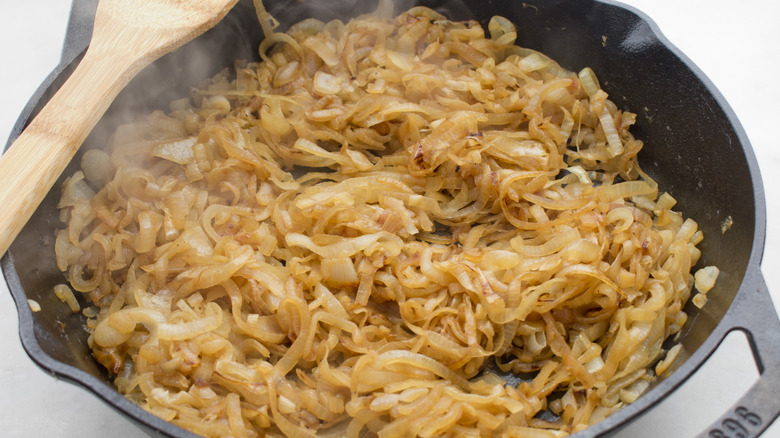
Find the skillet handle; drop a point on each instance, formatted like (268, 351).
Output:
(755, 411)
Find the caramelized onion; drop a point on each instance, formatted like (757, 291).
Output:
(341, 238)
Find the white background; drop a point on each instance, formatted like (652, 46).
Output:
(734, 43)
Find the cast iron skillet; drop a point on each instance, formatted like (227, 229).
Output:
(692, 140)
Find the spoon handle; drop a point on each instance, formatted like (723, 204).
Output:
(34, 162)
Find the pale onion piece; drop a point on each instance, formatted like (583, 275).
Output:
(267, 22)
(600, 413)
(345, 247)
(612, 395)
(73, 189)
(235, 419)
(615, 144)
(238, 371)
(306, 28)
(663, 365)
(298, 347)
(500, 26)
(651, 336)
(588, 270)
(589, 81)
(82, 283)
(117, 327)
(195, 240)
(372, 379)
(407, 42)
(630, 393)
(426, 12)
(559, 346)
(549, 65)
(65, 294)
(444, 135)
(384, 402)
(581, 251)
(555, 244)
(67, 253)
(97, 167)
(149, 223)
(413, 201)
(665, 202)
(164, 396)
(330, 302)
(704, 279)
(339, 271)
(467, 51)
(507, 39)
(687, 230)
(423, 362)
(594, 365)
(441, 423)
(697, 238)
(556, 204)
(726, 225)
(273, 119)
(397, 109)
(624, 190)
(433, 271)
(34, 306)
(694, 252)
(548, 93)
(517, 149)
(412, 384)
(532, 62)
(325, 115)
(286, 74)
(288, 428)
(322, 49)
(359, 160)
(219, 103)
(699, 300)
(203, 277)
(645, 202)
(359, 418)
(352, 186)
(489, 421)
(645, 177)
(581, 174)
(310, 147)
(179, 152)
(187, 330)
(622, 217)
(409, 395)
(487, 389)
(500, 259)
(166, 414)
(285, 405)
(342, 323)
(377, 87)
(446, 347)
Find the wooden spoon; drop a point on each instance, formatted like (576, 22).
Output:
(128, 35)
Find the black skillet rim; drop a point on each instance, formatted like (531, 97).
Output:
(75, 42)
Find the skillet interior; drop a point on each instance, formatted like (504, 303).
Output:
(691, 147)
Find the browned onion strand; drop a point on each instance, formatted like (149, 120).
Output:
(341, 237)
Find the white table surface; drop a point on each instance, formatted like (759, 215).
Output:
(734, 43)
